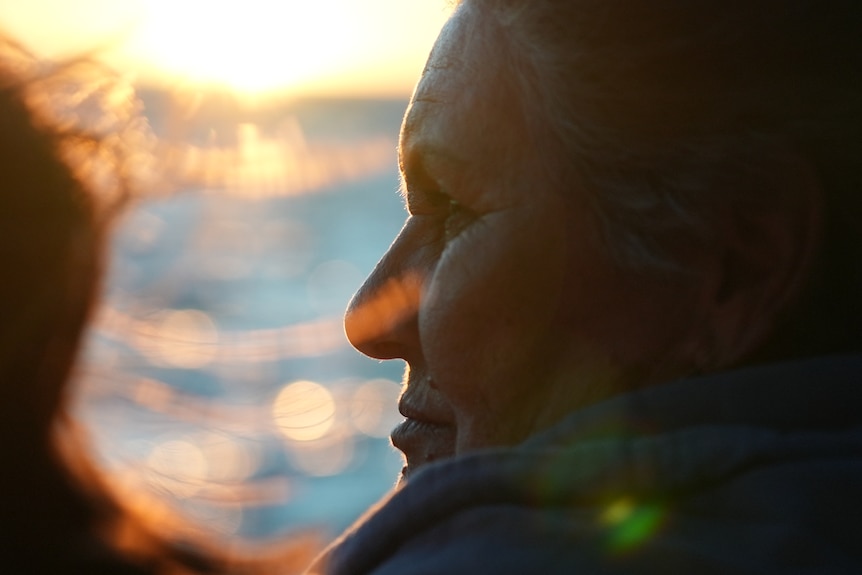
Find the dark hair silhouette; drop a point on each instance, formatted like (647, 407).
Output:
(69, 149)
(53, 228)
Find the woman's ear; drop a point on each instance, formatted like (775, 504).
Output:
(764, 258)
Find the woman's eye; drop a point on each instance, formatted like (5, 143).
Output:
(457, 218)
(452, 215)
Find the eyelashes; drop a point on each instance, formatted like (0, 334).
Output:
(430, 200)
(457, 219)
(454, 216)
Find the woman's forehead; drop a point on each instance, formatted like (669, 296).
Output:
(461, 107)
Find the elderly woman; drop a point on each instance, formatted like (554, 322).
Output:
(626, 293)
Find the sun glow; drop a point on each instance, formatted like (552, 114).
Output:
(252, 46)
(331, 46)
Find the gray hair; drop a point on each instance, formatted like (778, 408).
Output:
(663, 110)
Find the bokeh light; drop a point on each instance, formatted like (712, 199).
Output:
(228, 459)
(178, 466)
(185, 338)
(304, 411)
(219, 382)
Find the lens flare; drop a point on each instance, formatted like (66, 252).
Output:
(629, 523)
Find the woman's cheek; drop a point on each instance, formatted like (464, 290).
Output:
(456, 304)
(487, 301)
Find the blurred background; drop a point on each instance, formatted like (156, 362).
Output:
(217, 379)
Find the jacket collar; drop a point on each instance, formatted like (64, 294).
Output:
(822, 393)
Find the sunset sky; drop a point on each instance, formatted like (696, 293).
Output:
(331, 47)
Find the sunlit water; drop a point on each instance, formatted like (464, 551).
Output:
(217, 376)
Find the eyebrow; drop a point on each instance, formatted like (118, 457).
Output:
(413, 169)
(411, 119)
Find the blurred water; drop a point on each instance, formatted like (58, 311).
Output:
(217, 376)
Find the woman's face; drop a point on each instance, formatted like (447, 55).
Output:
(496, 292)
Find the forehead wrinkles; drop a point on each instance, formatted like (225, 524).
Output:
(452, 60)
(466, 93)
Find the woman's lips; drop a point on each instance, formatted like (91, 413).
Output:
(423, 441)
(428, 431)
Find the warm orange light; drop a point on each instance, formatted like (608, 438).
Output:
(372, 47)
(394, 302)
(304, 411)
(261, 166)
(251, 46)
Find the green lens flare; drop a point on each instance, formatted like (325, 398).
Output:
(629, 524)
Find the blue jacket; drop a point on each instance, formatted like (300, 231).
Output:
(753, 471)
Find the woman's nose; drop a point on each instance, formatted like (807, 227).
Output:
(381, 320)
